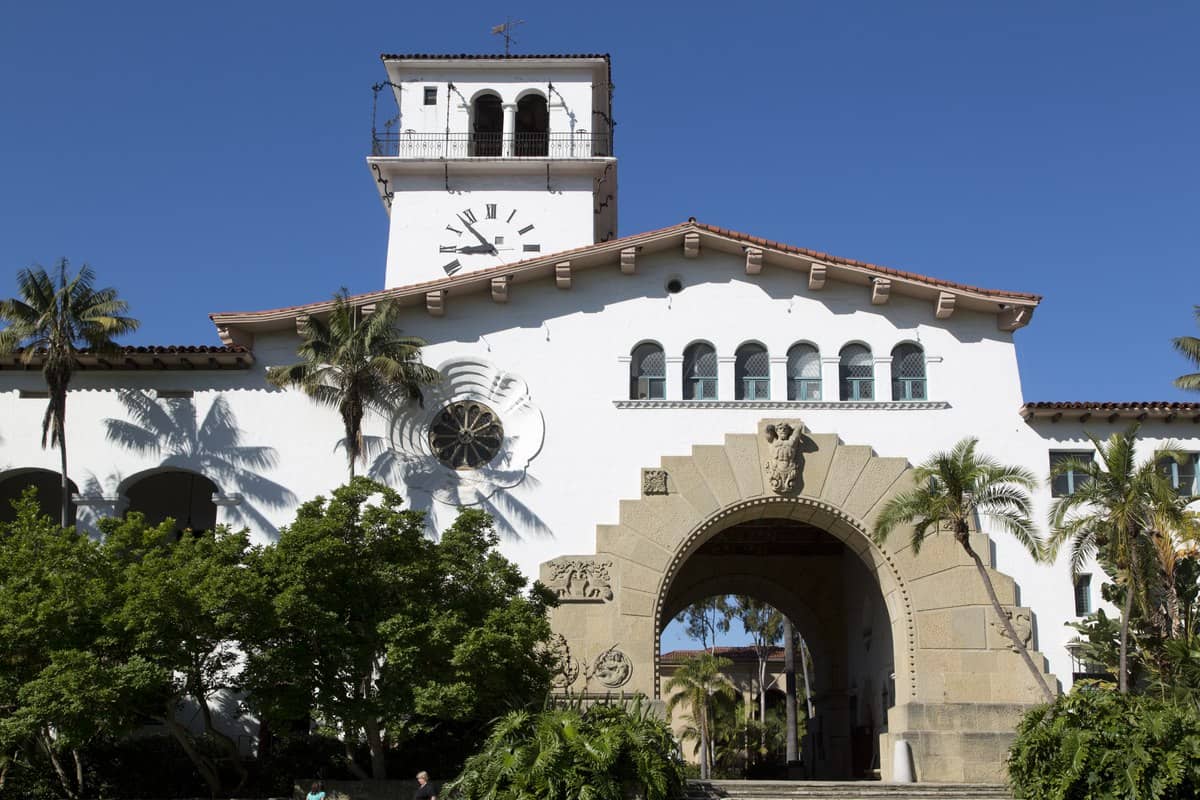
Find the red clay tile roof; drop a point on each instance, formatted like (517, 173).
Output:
(615, 245)
(1083, 410)
(173, 356)
(850, 262)
(735, 654)
(482, 56)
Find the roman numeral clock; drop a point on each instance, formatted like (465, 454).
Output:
(483, 234)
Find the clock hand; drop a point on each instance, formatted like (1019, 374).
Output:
(476, 248)
(474, 232)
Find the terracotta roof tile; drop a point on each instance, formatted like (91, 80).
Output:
(1144, 405)
(484, 56)
(550, 258)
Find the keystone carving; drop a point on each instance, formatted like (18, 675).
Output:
(1023, 625)
(612, 668)
(580, 580)
(566, 668)
(783, 461)
(654, 481)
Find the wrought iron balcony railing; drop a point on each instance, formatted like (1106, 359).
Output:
(580, 144)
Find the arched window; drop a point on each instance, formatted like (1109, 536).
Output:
(533, 127)
(856, 373)
(908, 372)
(804, 372)
(700, 372)
(752, 373)
(184, 496)
(487, 126)
(648, 373)
(49, 493)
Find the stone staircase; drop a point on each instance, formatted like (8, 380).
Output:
(837, 790)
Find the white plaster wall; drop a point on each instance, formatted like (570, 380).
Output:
(569, 347)
(570, 104)
(561, 217)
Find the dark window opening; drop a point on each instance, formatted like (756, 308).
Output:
(487, 126)
(1071, 480)
(1083, 595)
(431, 95)
(533, 127)
(674, 286)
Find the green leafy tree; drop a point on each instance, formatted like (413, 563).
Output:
(356, 362)
(696, 682)
(64, 683)
(764, 625)
(53, 320)
(952, 487)
(1112, 514)
(382, 634)
(704, 619)
(1189, 346)
(606, 752)
(182, 603)
(1093, 743)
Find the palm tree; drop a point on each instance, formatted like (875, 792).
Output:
(696, 682)
(1190, 347)
(354, 362)
(952, 488)
(1114, 512)
(56, 320)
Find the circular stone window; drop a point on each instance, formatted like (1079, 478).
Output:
(466, 435)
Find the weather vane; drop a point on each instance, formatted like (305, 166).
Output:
(505, 30)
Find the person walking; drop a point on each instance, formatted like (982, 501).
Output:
(425, 790)
(317, 792)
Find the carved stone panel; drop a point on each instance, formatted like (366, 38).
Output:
(579, 579)
(654, 481)
(566, 668)
(612, 668)
(1023, 624)
(784, 460)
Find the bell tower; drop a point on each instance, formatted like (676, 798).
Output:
(492, 160)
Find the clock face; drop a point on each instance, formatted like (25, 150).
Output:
(485, 233)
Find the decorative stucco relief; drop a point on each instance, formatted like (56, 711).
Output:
(654, 481)
(1023, 624)
(580, 580)
(566, 667)
(612, 668)
(521, 426)
(784, 459)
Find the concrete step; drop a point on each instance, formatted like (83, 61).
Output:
(841, 790)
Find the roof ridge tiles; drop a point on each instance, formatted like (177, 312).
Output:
(625, 241)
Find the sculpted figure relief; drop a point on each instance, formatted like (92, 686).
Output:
(1021, 623)
(568, 668)
(612, 668)
(783, 461)
(581, 579)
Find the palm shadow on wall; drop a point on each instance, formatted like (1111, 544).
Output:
(514, 520)
(171, 429)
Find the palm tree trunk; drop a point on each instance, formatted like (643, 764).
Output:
(1004, 617)
(1123, 661)
(66, 484)
(789, 683)
(705, 770)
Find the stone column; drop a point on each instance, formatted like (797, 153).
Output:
(674, 377)
(725, 377)
(829, 378)
(510, 129)
(779, 378)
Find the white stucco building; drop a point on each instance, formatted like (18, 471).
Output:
(624, 370)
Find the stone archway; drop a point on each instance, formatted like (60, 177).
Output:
(959, 688)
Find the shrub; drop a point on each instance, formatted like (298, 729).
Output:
(606, 752)
(1096, 743)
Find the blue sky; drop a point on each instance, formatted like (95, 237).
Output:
(207, 157)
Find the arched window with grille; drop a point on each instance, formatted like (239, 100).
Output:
(700, 372)
(908, 372)
(804, 372)
(487, 125)
(856, 373)
(648, 373)
(752, 373)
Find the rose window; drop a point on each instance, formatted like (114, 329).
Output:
(466, 435)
